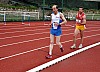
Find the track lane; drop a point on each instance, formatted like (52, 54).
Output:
(30, 64)
(23, 37)
(14, 46)
(33, 59)
(88, 61)
(22, 47)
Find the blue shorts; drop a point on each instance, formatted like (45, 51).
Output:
(56, 32)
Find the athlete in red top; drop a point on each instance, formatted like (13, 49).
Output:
(79, 18)
(80, 27)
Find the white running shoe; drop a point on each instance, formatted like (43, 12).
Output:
(73, 46)
(80, 46)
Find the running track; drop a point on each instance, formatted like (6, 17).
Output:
(24, 47)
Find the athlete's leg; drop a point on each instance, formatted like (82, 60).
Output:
(51, 44)
(59, 43)
(81, 35)
(74, 37)
(58, 40)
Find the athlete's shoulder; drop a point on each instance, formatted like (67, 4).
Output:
(52, 14)
(77, 13)
(84, 15)
(61, 14)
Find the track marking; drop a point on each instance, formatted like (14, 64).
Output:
(35, 30)
(34, 27)
(32, 34)
(50, 63)
(23, 26)
(32, 40)
(18, 28)
(37, 34)
(23, 35)
(42, 48)
(38, 26)
(25, 31)
(30, 26)
(26, 28)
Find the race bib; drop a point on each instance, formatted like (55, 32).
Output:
(78, 21)
(54, 27)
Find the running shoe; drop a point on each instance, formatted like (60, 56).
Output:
(61, 49)
(73, 46)
(48, 56)
(80, 46)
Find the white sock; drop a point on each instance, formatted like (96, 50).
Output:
(50, 49)
(74, 44)
(61, 46)
(80, 44)
(50, 52)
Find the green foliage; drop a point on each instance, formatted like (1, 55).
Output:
(17, 7)
(34, 4)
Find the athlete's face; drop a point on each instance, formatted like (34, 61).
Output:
(54, 9)
(80, 10)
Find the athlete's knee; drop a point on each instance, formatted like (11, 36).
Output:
(81, 36)
(52, 43)
(74, 35)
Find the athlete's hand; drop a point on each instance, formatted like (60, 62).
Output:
(56, 24)
(85, 27)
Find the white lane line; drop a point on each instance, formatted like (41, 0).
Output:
(19, 28)
(35, 34)
(32, 34)
(14, 28)
(28, 41)
(55, 61)
(22, 42)
(23, 26)
(29, 26)
(33, 40)
(35, 30)
(43, 48)
(26, 28)
(38, 26)
(34, 27)
(23, 35)
(93, 25)
(24, 31)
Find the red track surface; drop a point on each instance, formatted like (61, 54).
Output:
(17, 39)
(87, 61)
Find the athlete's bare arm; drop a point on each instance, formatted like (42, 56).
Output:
(51, 21)
(84, 20)
(63, 18)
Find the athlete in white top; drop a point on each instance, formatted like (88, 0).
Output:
(56, 30)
